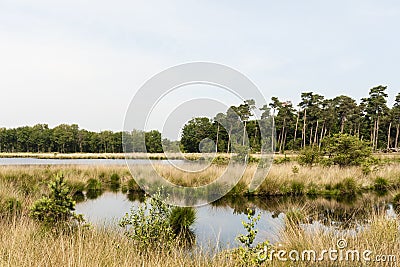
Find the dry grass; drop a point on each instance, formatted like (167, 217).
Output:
(381, 236)
(25, 243)
(279, 180)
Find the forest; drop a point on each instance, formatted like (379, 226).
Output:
(314, 119)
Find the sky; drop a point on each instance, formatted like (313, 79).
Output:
(82, 61)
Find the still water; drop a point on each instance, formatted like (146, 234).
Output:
(215, 225)
(35, 161)
(219, 223)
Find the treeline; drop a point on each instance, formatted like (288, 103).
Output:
(314, 119)
(62, 138)
(66, 138)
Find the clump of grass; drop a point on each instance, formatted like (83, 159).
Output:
(132, 186)
(77, 189)
(94, 188)
(396, 201)
(347, 187)
(115, 182)
(381, 185)
(295, 216)
(296, 188)
(9, 206)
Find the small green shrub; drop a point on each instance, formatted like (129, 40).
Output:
(148, 225)
(248, 254)
(219, 160)
(239, 189)
(181, 219)
(57, 207)
(347, 150)
(326, 162)
(312, 189)
(365, 169)
(77, 189)
(309, 156)
(281, 160)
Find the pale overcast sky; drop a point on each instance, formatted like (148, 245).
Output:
(82, 61)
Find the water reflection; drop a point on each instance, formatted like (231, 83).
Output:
(220, 221)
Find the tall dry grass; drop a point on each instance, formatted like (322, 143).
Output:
(25, 243)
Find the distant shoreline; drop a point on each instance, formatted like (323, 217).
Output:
(56, 155)
(141, 155)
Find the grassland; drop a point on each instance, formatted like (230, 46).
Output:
(24, 242)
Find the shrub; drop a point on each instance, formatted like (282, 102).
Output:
(181, 219)
(220, 160)
(347, 150)
(309, 156)
(281, 160)
(77, 189)
(249, 254)
(57, 207)
(149, 224)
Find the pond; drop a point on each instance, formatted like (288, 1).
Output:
(36, 161)
(219, 223)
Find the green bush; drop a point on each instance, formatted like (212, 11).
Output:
(347, 150)
(309, 156)
(77, 189)
(248, 254)
(281, 160)
(57, 207)
(133, 186)
(149, 224)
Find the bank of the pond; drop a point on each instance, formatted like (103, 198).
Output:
(288, 179)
